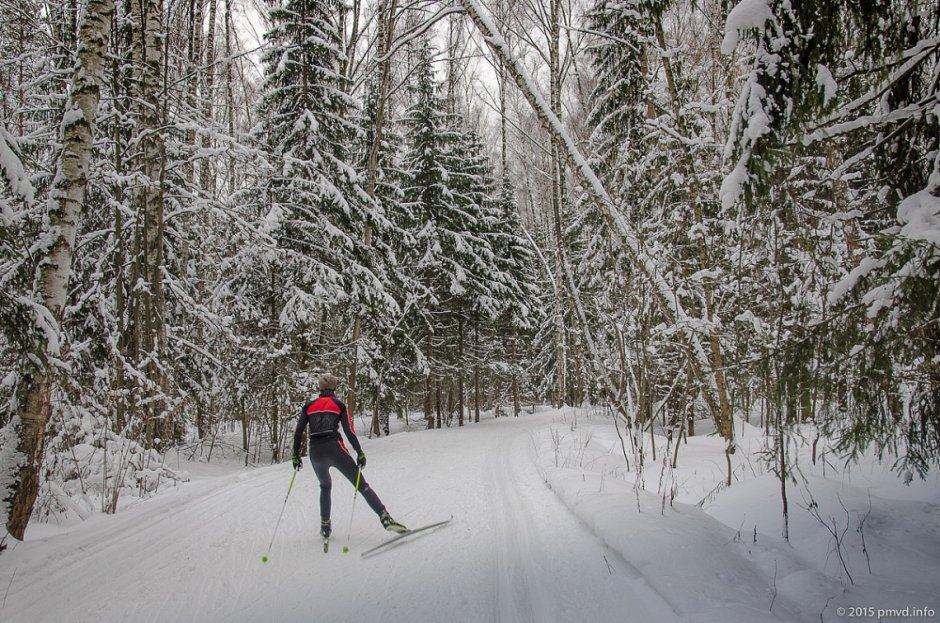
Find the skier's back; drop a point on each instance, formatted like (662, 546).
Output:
(323, 416)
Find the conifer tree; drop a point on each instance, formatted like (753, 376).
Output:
(312, 206)
(880, 386)
(315, 206)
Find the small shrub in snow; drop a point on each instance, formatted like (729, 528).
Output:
(88, 467)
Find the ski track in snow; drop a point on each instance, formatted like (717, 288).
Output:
(514, 552)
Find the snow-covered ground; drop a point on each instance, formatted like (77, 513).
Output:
(549, 525)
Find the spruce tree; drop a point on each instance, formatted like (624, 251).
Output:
(314, 206)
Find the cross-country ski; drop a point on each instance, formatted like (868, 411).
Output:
(402, 535)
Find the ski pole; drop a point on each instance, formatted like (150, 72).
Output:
(289, 487)
(353, 511)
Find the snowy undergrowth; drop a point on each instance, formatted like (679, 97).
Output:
(859, 536)
(89, 469)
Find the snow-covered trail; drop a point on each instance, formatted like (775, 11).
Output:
(514, 552)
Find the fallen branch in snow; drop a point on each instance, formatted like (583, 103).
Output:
(8, 587)
(861, 532)
(774, 588)
(835, 529)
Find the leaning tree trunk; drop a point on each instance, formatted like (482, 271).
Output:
(55, 264)
(669, 301)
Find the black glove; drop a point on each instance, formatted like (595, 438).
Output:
(296, 462)
(361, 460)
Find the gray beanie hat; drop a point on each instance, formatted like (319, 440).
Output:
(328, 381)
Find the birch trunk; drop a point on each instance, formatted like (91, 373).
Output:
(558, 173)
(119, 88)
(55, 266)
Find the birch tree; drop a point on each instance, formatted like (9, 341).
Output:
(36, 377)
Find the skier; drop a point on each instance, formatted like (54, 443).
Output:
(324, 415)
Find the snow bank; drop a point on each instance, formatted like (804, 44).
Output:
(90, 468)
(724, 546)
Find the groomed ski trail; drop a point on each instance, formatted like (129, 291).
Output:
(513, 553)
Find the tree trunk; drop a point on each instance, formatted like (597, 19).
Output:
(354, 34)
(275, 431)
(460, 371)
(723, 415)
(782, 467)
(229, 91)
(439, 400)
(375, 429)
(246, 426)
(121, 388)
(558, 191)
(55, 264)
(476, 375)
(206, 179)
(150, 305)
(194, 57)
(386, 35)
(503, 165)
(375, 424)
(516, 404)
(428, 385)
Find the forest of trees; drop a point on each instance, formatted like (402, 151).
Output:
(682, 210)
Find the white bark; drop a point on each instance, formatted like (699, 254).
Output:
(56, 251)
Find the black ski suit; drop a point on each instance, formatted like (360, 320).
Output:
(324, 415)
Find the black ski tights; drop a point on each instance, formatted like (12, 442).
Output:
(329, 454)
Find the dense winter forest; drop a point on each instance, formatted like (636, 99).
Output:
(682, 211)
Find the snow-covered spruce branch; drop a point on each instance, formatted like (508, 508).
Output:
(913, 111)
(916, 55)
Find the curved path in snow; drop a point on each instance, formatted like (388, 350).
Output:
(513, 553)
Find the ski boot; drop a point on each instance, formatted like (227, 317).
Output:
(390, 524)
(325, 529)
